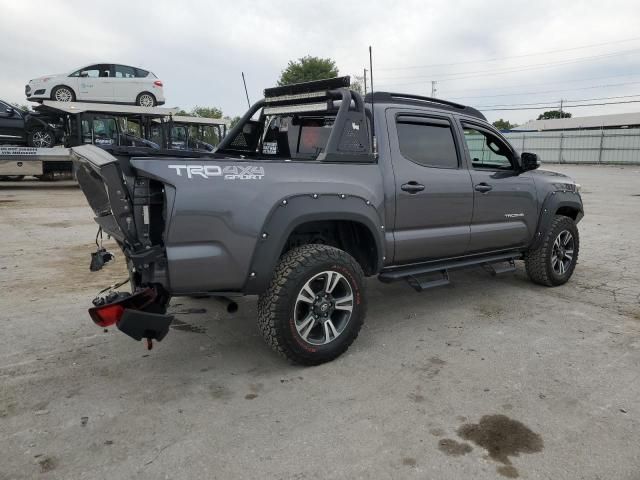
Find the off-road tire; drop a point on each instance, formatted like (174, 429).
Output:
(276, 305)
(538, 261)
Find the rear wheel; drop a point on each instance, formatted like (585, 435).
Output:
(553, 262)
(146, 99)
(63, 94)
(315, 305)
(41, 138)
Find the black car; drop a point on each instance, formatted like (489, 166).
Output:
(18, 127)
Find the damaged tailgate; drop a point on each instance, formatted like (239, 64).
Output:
(100, 176)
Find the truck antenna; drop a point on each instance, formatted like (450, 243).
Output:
(245, 90)
(373, 121)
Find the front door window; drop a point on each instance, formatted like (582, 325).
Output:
(487, 151)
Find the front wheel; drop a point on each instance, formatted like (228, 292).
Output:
(553, 262)
(315, 304)
(63, 94)
(41, 138)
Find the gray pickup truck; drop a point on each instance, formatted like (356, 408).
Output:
(313, 190)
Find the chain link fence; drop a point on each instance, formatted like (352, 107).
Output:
(613, 147)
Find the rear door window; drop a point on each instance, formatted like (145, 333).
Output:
(427, 142)
(122, 71)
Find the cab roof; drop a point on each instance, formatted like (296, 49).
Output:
(417, 100)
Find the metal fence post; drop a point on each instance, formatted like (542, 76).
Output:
(560, 149)
(601, 146)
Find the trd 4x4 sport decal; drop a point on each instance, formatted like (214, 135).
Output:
(229, 172)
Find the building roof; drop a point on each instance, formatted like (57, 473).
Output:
(618, 120)
(79, 107)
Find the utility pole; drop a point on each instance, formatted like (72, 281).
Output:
(365, 81)
(433, 88)
(561, 102)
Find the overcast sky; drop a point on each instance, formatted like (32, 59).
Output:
(199, 49)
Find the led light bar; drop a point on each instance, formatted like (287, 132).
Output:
(304, 107)
(308, 87)
(296, 96)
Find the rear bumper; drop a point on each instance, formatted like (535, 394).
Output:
(139, 325)
(141, 315)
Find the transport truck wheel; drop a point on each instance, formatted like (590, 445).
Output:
(553, 262)
(315, 304)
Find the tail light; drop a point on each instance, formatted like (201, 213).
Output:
(109, 310)
(106, 315)
(158, 83)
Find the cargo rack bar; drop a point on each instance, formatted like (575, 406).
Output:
(406, 98)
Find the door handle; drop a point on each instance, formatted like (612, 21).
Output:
(412, 187)
(483, 187)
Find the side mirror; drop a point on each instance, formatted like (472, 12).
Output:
(529, 161)
(84, 74)
(10, 111)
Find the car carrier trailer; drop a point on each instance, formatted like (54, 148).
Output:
(43, 163)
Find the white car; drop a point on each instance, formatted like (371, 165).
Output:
(101, 82)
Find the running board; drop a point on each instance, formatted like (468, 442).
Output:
(420, 284)
(415, 274)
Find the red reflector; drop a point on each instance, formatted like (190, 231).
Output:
(107, 315)
(157, 83)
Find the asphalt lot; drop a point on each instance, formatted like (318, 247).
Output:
(487, 378)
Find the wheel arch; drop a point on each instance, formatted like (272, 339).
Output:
(566, 203)
(304, 215)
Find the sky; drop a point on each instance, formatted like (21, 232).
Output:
(480, 53)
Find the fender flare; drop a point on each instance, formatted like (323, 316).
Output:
(552, 203)
(296, 210)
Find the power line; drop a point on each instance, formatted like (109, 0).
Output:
(566, 106)
(547, 101)
(533, 84)
(411, 67)
(546, 91)
(521, 68)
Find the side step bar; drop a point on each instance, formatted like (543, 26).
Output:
(421, 277)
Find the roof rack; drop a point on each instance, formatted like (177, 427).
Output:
(409, 99)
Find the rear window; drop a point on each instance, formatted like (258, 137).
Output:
(429, 145)
(297, 136)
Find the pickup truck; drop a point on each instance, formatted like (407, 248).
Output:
(313, 190)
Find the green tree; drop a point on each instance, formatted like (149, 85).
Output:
(233, 121)
(504, 124)
(308, 68)
(206, 112)
(551, 114)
